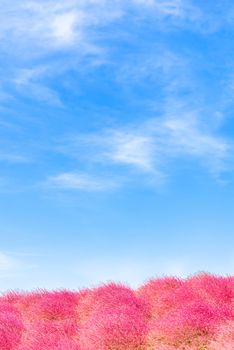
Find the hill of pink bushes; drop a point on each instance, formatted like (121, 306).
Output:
(164, 314)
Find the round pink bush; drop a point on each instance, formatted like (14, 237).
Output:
(49, 335)
(164, 314)
(55, 305)
(214, 289)
(11, 328)
(224, 338)
(109, 297)
(159, 294)
(119, 329)
(191, 325)
(113, 317)
(25, 303)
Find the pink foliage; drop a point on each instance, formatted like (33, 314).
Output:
(24, 303)
(159, 293)
(11, 327)
(163, 314)
(109, 297)
(214, 289)
(224, 339)
(45, 335)
(55, 305)
(114, 319)
(189, 325)
(118, 329)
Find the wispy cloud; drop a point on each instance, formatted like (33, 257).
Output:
(32, 82)
(38, 29)
(50, 26)
(82, 182)
(129, 148)
(167, 7)
(77, 29)
(186, 135)
(63, 27)
(171, 14)
(151, 146)
(12, 157)
(42, 28)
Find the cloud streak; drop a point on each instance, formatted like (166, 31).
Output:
(76, 29)
(165, 7)
(80, 28)
(81, 182)
(129, 148)
(40, 27)
(150, 147)
(50, 26)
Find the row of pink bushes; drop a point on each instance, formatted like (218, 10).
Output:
(164, 314)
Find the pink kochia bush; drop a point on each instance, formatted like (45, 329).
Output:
(11, 327)
(164, 314)
(117, 320)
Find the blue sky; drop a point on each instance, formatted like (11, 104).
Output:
(116, 141)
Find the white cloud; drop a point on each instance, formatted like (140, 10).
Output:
(32, 30)
(12, 158)
(173, 13)
(131, 149)
(170, 7)
(38, 27)
(188, 136)
(43, 26)
(63, 27)
(32, 82)
(167, 7)
(82, 182)
(25, 76)
(151, 146)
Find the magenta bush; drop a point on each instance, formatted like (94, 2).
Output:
(164, 314)
(11, 328)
